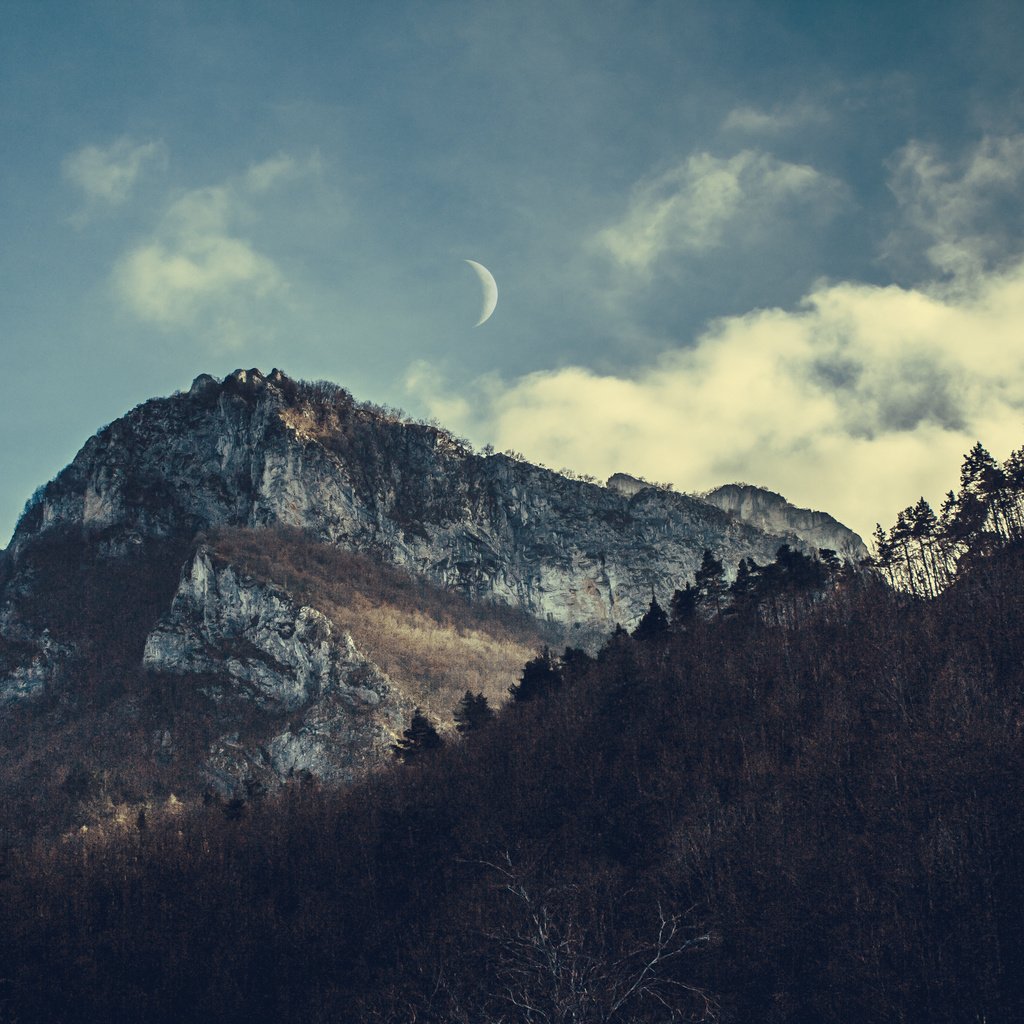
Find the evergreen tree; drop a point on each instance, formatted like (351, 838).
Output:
(473, 712)
(684, 605)
(710, 581)
(540, 677)
(746, 588)
(653, 625)
(831, 562)
(420, 738)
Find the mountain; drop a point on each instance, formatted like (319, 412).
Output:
(770, 511)
(258, 579)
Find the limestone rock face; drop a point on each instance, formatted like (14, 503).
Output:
(250, 642)
(41, 661)
(257, 450)
(771, 512)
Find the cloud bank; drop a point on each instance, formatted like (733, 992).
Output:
(857, 399)
(860, 400)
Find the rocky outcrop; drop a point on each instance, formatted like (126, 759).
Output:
(771, 512)
(257, 450)
(249, 642)
(32, 664)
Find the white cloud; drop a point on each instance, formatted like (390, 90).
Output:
(107, 176)
(194, 261)
(270, 173)
(690, 208)
(751, 121)
(857, 402)
(958, 210)
(198, 266)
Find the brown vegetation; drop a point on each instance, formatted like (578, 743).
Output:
(433, 644)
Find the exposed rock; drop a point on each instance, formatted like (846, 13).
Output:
(771, 512)
(251, 642)
(36, 663)
(626, 484)
(262, 450)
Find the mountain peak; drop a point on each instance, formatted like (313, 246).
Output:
(769, 510)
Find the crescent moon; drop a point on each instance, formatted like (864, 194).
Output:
(490, 287)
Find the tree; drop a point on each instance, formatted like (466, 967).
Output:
(540, 677)
(473, 712)
(710, 581)
(420, 738)
(746, 588)
(684, 606)
(653, 625)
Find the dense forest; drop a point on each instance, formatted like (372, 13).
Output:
(792, 798)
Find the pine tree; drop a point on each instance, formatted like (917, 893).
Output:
(710, 580)
(540, 677)
(473, 712)
(684, 606)
(746, 588)
(420, 738)
(653, 625)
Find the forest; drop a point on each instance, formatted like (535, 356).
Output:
(790, 798)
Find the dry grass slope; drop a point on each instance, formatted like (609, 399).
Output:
(432, 643)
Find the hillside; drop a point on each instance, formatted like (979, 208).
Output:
(803, 811)
(261, 579)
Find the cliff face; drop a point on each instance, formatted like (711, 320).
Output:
(262, 450)
(771, 512)
(112, 600)
(249, 642)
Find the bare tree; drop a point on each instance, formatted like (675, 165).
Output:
(553, 967)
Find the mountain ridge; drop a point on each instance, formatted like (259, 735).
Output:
(193, 547)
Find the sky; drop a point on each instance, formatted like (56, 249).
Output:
(776, 242)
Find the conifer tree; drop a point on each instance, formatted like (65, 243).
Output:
(684, 605)
(710, 581)
(540, 677)
(420, 738)
(653, 625)
(473, 712)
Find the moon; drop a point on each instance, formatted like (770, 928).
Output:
(490, 287)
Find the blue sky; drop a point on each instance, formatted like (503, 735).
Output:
(777, 242)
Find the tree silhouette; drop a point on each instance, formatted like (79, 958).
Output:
(420, 738)
(541, 676)
(653, 625)
(472, 712)
(683, 605)
(710, 581)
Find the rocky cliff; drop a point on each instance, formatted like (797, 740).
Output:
(771, 512)
(258, 450)
(249, 641)
(109, 592)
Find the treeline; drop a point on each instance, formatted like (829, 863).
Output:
(802, 807)
(923, 551)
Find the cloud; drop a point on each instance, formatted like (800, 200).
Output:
(691, 207)
(262, 177)
(751, 121)
(964, 214)
(197, 265)
(858, 401)
(107, 176)
(194, 261)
